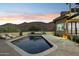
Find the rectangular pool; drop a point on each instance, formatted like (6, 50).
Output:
(33, 44)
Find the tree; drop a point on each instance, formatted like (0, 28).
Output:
(69, 5)
(9, 29)
(34, 28)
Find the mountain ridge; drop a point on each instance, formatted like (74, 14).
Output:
(25, 26)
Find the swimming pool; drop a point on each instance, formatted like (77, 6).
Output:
(47, 39)
(33, 44)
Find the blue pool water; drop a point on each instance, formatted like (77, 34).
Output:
(33, 44)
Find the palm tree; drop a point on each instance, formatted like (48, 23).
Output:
(75, 8)
(69, 5)
(77, 5)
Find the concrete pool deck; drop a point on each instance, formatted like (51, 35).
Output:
(64, 47)
(6, 50)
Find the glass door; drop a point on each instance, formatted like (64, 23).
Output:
(77, 27)
(69, 28)
(73, 28)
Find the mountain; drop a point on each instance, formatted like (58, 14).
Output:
(26, 26)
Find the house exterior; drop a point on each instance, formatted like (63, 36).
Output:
(67, 25)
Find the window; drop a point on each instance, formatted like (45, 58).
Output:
(78, 28)
(69, 27)
(60, 27)
(73, 28)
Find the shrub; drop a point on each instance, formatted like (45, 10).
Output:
(9, 29)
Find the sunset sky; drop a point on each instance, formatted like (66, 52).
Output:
(17, 13)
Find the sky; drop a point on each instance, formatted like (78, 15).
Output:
(17, 13)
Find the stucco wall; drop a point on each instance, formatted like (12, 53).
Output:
(59, 33)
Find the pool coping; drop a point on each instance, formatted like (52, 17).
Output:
(24, 53)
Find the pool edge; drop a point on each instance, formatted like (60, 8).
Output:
(23, 53)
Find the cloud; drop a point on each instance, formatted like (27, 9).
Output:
(9, 17)
(41, 17)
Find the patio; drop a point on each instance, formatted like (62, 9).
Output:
(64, 47)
